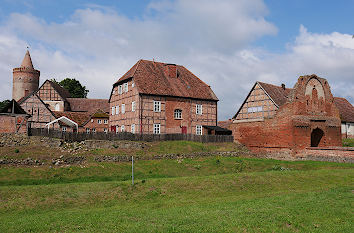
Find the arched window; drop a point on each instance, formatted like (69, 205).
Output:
(178, 114)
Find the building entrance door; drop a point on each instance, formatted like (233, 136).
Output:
(184, 129)
(316, 136)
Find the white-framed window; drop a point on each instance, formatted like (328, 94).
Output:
(117, 128)
(132, 128)
(133, 106)
(199, 130)
(157, 128)
(120, 89)
(178, 114)
(133, 84)
(117, 109)
(91, 120)
(99, 121)
(113, 110)
(93, 130)
(255, 109)
(87, 130)
(123, 108)
(125, 87)
(105, 130)
(63, 128)
(199, 109)
(157, 106)
(105, 122)
(122, 128)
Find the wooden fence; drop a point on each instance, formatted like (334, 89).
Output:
(74, 137)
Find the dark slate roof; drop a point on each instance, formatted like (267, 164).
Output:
(13, 105)
(346, 109)
(216, 128)
(88, 105)
(150, 78)
(277, 93)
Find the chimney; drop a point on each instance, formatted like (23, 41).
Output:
(171, 70)
(283, 86)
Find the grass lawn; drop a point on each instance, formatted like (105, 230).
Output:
(212, 194)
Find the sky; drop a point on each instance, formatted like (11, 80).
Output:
(229, 44)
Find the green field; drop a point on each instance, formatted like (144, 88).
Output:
(211, 194)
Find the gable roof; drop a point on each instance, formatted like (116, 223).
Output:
(151, 78)
(13, 107)
(346, 109)
(22, 100)
(61, 90)
(88, 105)
(277, 93)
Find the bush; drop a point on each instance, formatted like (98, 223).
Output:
(17, 150)
(348, 142)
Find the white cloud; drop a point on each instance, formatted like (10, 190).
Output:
(211, 38)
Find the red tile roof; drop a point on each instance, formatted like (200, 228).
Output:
(88, 105)
(79, 117)
(277, 93)
(152, 78)
(346, 109)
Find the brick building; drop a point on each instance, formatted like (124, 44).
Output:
(346, 111)
(50, 101)
(13, 119)
(294, 118)
(154, 97)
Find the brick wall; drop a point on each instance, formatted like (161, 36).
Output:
(13, 124)
(308, 113)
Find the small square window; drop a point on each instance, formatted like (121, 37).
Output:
(99, 121)
(63, 129)
(87, 130)
(105, 130)
(157, 128)
(199, 109)
(157, 106)
(199, 130)
(105, 121)
(178, 114)
(93, 130)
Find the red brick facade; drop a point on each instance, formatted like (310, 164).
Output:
(308, 117)
(138, 109)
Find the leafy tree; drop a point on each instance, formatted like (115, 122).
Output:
(3, 103)
(74, 87)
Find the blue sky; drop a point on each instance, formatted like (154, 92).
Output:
(230, 44)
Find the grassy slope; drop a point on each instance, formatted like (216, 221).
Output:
(215, 196)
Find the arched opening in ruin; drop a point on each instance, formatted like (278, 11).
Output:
(316, 137)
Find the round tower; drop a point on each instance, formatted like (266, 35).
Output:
(25, 78)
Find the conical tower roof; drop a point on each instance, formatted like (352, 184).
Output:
(27, 61)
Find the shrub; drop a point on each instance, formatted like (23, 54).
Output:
(17, 150)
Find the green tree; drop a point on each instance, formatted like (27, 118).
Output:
(74, 87)
(3, 103)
